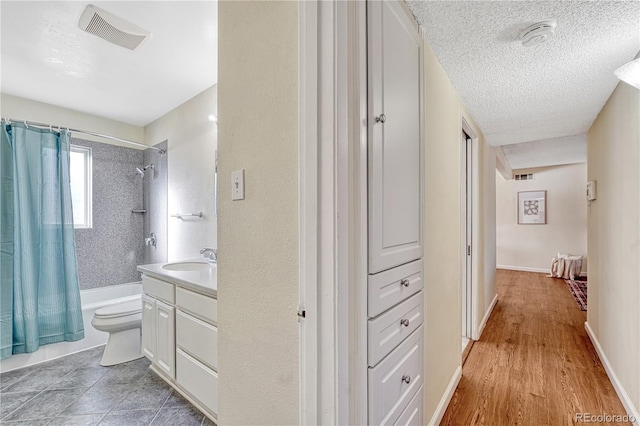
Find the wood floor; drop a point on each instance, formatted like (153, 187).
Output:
(534, 364)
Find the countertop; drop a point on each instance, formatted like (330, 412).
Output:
(203, 281)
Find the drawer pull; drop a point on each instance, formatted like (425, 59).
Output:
(381, 118)
(406, 379)
(404, 282)
(404, 322)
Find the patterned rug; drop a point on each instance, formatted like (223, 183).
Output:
(578, 288)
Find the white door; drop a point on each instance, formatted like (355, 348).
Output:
(165, 340)
(148, 327)
(467, 272)
(394, 117)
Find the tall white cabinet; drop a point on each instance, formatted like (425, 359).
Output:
(395, 305)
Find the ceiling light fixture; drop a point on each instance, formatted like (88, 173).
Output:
(538, 33)
(630, 73)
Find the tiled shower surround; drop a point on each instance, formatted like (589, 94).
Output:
(110, 251)
(155, 202)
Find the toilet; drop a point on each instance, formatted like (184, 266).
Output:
(123, 322)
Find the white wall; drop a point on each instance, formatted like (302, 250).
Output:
(258, 284)
(613, 234)
(531, 247)
(443, 216)
(27, 109)
(192, 142)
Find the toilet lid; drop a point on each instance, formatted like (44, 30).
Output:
(120, 309)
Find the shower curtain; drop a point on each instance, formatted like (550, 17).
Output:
(39, 292)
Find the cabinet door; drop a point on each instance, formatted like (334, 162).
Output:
(395, 136)
(165, 340)
(148, 327)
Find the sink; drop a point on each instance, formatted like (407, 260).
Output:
(186, 266)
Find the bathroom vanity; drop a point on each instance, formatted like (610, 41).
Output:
(180, 328)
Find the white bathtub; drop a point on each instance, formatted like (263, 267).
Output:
(91, 300)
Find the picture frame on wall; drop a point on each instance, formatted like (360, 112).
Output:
(532, 207)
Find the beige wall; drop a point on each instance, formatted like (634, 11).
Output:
(192, 142)
(443, 230)
(531, 247)
(613, 235)
(258, 239)
(27, 109)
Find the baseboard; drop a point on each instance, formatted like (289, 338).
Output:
(446, 398)
(527, 269)
(524, 269)
(486, 318)
(632, 411)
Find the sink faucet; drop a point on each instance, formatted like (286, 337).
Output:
(210, 254)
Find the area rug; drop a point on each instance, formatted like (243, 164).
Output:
(578, 289)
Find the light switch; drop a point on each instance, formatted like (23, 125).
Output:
(237, 185)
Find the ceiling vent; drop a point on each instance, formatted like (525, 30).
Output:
(537, 33)
(115, 30)
(523, 176)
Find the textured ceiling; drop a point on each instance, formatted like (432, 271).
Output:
(550, 91)
(46, 57)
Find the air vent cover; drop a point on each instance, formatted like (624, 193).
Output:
(523, 176)
(109, 27)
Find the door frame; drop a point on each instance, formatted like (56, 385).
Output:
(325, 189)
(465, 127)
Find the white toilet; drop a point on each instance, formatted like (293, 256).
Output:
(123, 322)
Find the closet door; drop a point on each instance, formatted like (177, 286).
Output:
(395, 175)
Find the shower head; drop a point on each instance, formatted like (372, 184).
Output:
(139, 171)
(149, 166)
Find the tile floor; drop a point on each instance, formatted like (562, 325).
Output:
(75, 391)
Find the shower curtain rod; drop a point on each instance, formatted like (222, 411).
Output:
(51, 127)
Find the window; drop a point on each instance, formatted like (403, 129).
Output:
(80, 172)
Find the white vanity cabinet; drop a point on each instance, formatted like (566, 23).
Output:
(180, 338)
(158, 325)
(197, 346)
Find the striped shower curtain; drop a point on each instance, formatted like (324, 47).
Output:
(39, 292)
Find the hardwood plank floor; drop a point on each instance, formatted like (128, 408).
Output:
(534, 364)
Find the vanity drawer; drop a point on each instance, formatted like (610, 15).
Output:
(197, 338)
(389, 329)
(389, 392)
(198, 380)
(388, 288)
(158, 289)
(412, 415)
(202, 306)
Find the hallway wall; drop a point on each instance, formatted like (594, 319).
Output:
(531, 247)
(613, 236)
(443, 218)
(258, 283)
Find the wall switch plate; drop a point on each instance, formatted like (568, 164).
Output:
(237, 185)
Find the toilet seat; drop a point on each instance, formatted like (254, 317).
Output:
(119, 310)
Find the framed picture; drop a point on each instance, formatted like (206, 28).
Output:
(532, 207)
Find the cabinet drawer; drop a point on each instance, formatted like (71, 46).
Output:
(197, 338)
(197, 379)
(197, 304)
(389, 329)
(412, 415)
(158, 289)
(390, 287)
(389, 394)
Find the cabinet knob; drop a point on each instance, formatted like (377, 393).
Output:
(381, 118)
(404, 282)
(406, 379)
(404, 322)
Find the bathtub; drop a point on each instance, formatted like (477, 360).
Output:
(91, 300)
